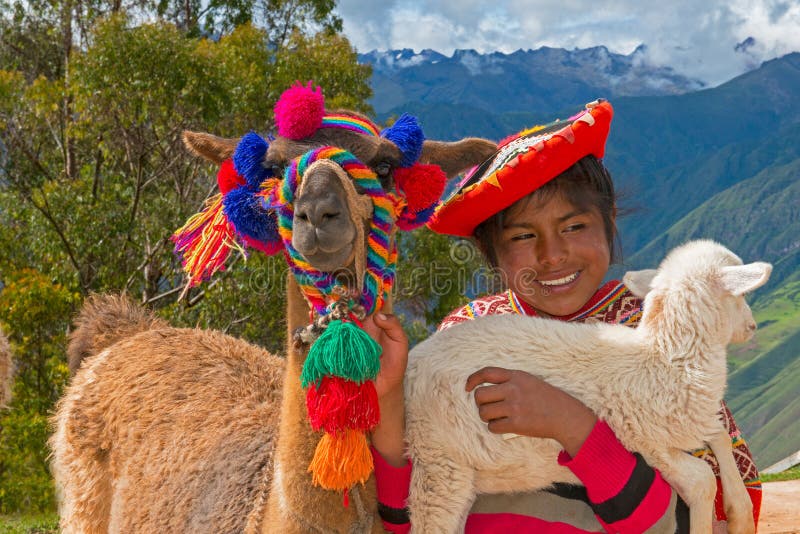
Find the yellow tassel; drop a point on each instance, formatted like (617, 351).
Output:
(341, 460)
(206, 241)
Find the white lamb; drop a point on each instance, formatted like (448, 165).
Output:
(658, 386)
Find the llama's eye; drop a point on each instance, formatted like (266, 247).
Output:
(276, 169)
(383, 169)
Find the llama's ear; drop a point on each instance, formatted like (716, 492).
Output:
(639, 281)
(741, 279)
(210, 147)
(458, 156)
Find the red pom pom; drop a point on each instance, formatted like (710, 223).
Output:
(422, 185)
(338, 403)
(299, 111)
(228, 178)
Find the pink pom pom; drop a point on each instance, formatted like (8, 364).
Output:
(422, 185)
(299, 111)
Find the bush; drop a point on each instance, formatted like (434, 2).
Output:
(35, 314)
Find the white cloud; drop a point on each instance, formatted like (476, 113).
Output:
(696, 38)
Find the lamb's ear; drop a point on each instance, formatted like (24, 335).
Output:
(639, 281)
(457, 156)
(741, 279)
(210, 147)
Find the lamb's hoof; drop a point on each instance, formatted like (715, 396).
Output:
(740, 520)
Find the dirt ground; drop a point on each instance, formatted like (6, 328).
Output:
(780, 509)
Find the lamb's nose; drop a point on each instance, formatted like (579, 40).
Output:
(752, 326)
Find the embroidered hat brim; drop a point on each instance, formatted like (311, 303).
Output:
(522, 165)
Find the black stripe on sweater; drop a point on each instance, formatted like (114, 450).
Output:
(624, 503)
(394, 516)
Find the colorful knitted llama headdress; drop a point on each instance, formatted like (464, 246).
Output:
(236, 218)
(256, 209)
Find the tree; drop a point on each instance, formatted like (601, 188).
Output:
(34, 313)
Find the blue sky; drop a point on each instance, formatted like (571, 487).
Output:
(704, 39)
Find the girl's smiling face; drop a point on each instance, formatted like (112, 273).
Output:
(552, 254)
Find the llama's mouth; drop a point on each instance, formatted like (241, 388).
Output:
(329, 261)
(560, 282)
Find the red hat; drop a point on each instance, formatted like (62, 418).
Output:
(521, 165)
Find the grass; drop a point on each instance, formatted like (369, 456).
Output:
(790, 474)
(29, 524)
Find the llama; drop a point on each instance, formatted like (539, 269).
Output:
(659, 387)
(184, 430)
(6, 371)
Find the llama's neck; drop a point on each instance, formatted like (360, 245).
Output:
(294, 504)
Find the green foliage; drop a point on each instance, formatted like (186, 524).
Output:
(436, 274)
(34, 313)
(790, 474)
(29, 524)
(94, 177)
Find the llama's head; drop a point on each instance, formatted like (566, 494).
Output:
(701, 284)
(312, 172)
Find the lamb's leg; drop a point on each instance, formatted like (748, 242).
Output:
(694, 481)
(440, 496)
(738, 506)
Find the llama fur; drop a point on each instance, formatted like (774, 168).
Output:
(659, 387)
(163, 412)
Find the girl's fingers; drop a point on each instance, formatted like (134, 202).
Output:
(487, 394)
(493, 411)
(491, 375)
(501, 426)
(391, 326)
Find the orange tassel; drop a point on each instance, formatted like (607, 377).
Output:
(341, 460)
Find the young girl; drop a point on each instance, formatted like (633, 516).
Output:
(542, 210)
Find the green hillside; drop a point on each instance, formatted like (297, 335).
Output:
(759, 219)
(764, 398)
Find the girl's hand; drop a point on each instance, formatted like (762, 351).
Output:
(521, 403)
(388, 437)
(387, 331)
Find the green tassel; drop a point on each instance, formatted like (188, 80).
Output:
(343, 350)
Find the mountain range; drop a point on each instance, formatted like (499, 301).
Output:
(690, 161)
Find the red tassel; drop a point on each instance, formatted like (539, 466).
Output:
(337, 404)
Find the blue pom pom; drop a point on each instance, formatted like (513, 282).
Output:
(244, 211)
(248, 158)
(407, 134)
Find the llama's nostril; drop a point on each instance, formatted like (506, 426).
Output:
(752, 326)
(328, 216)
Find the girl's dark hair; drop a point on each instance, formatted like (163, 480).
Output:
(585, 185)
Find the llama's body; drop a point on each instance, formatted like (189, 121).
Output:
(127, 464)
(659, 387)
